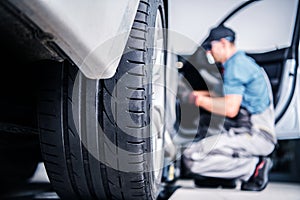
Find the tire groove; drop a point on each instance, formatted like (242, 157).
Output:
(143, 12)
(137, 49)
(48, 144)
(137, 38)
(139, 29)
(136, 62)
(142, 22)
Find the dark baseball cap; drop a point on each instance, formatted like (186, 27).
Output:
(218, 33)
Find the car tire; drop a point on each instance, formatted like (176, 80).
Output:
(103, 139)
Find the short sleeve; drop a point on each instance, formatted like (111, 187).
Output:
(235, 79)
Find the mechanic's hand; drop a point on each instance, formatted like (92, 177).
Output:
(198, 99)
(197, 96)
(192, 98)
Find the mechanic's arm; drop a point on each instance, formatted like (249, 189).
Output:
(201, 92)
(228, 106)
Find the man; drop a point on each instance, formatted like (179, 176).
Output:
(240, 151)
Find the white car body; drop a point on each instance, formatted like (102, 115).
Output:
(93, 33)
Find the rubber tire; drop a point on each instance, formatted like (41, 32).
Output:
(80, 162)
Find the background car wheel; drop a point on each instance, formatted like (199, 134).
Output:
(104, 139)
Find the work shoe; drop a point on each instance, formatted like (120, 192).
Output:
(212, 182)
(259, 180)
(167, 191)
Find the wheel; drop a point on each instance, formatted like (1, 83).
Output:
(104, 139)
(19, 157)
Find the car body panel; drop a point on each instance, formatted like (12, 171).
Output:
(288, 127)
(92, 33)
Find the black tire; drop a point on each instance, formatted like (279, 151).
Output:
(96, 136)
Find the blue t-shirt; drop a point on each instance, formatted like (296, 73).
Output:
(244, 77)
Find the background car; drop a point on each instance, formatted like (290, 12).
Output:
(269, 32)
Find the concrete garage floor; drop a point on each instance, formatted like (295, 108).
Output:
(274, 191)
(40, 189)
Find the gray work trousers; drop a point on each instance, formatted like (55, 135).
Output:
(227, 155)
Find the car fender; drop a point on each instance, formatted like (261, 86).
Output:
(92, 33)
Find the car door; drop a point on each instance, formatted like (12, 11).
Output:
(268, 30)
